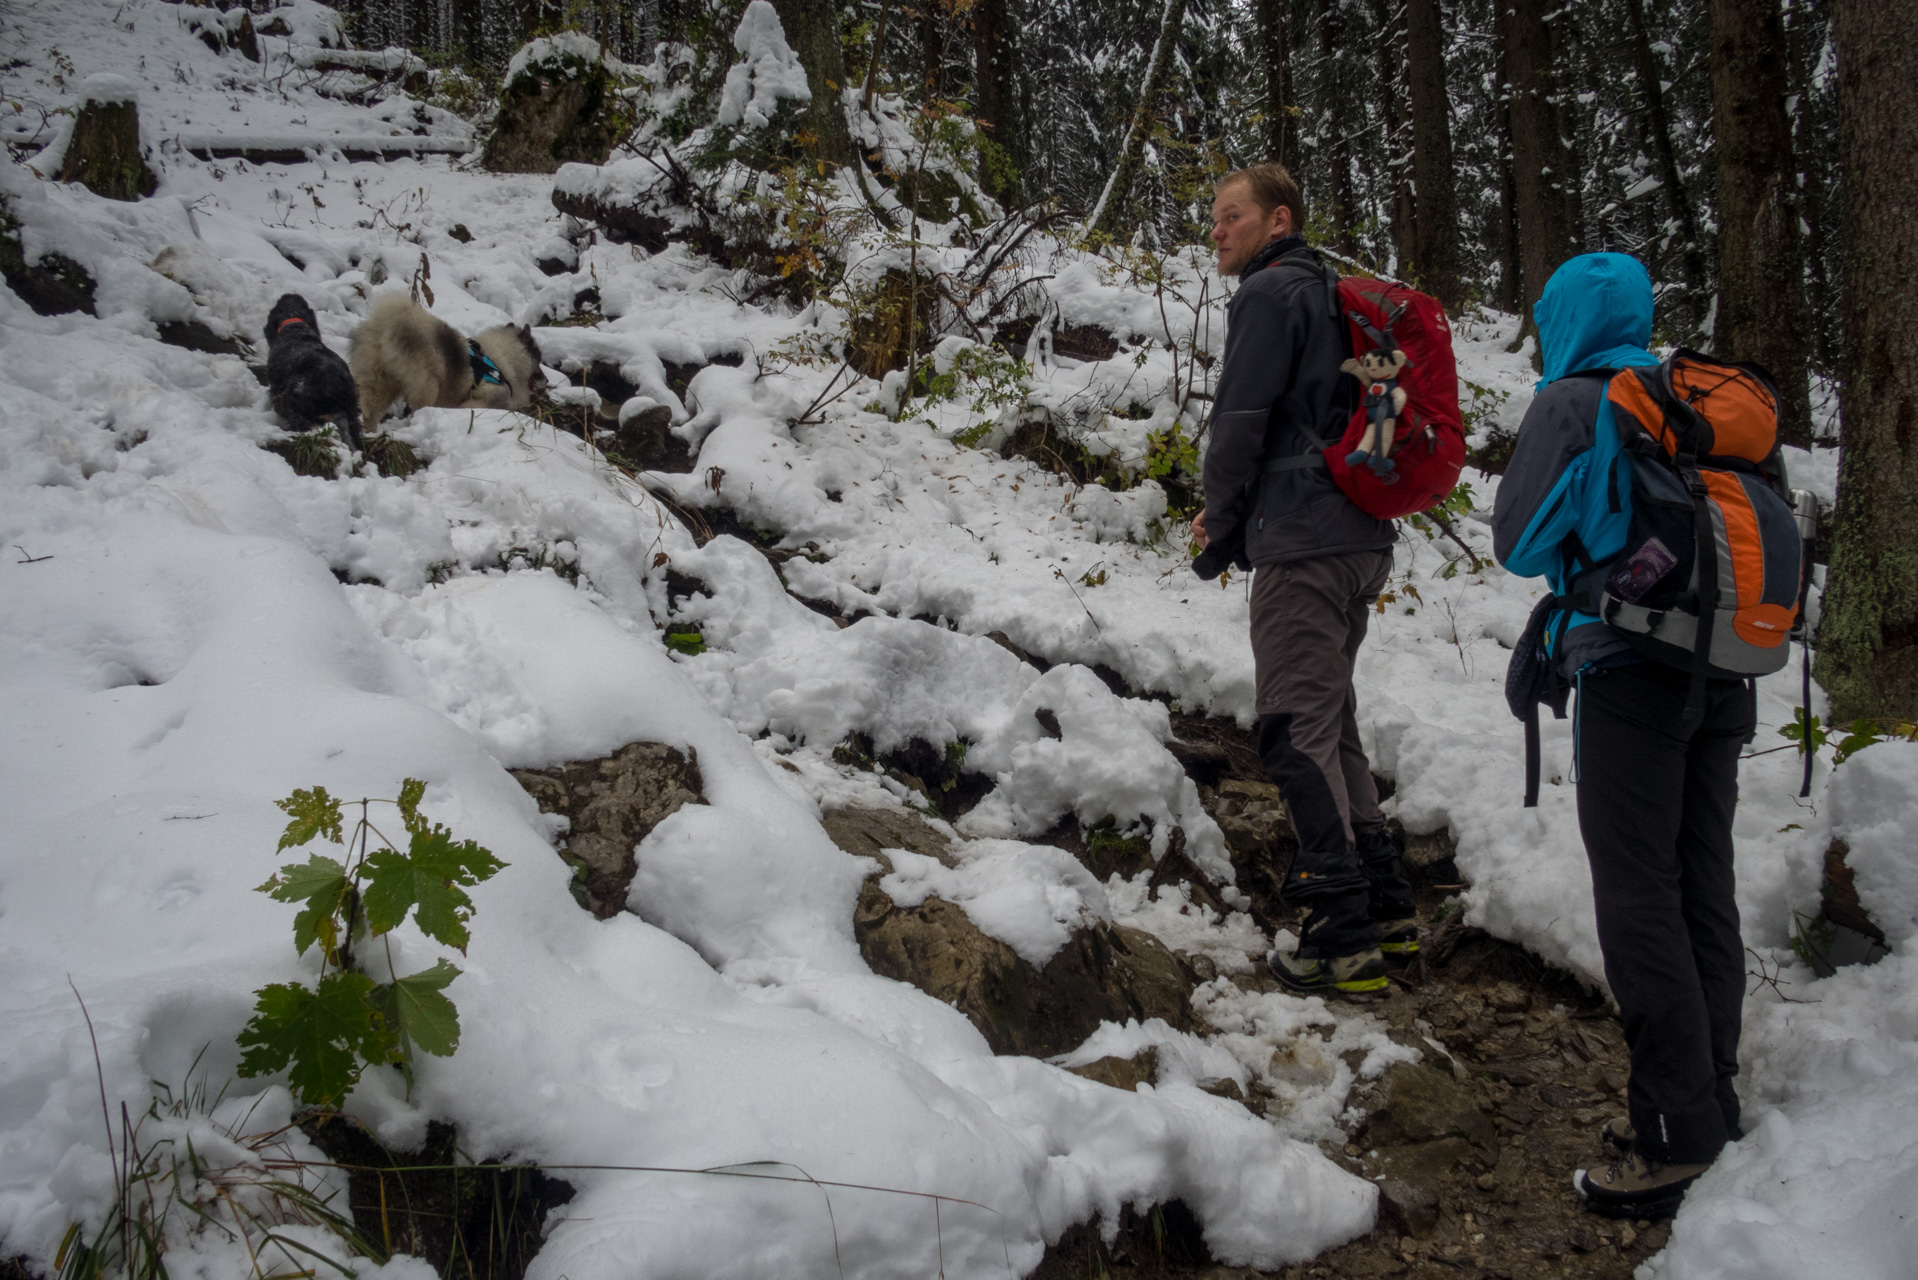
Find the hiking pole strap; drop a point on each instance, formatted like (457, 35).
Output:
(1531, 756)
(1804, 715)
(1707, 544)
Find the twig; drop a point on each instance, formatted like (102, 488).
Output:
(30, 557)
(1059, 573)
(1445, 526)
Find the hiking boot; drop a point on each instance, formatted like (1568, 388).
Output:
(1358, 976)
(1399, 939)
(1618, 1134)
(1634, 1187)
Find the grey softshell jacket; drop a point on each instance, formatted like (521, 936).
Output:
(1283, 348)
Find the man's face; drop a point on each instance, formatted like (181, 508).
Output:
(1240, 228)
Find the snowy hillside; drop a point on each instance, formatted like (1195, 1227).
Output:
(190, 630)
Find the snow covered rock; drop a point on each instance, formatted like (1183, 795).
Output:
(613, 803)
(971, 939)
(560, 104)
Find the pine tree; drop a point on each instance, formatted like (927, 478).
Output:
(1868, 636)
(1761, 257)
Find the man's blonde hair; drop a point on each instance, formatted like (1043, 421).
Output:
(1272, 186)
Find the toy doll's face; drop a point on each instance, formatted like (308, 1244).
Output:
(1379, 366)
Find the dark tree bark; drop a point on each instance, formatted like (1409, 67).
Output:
(1437, 255)
(1281, 99)
(932, 47)
(996, 106)
(1868, 636)
(1112, 201)
(1539, 162)
(1396, 159)
(1761, 255)
(1658, 128)
(1511, 290)
(812, 29)
(1816, 204)
(1335, 107)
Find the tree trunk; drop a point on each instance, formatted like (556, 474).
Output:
(1335, 108)
(1397, 152)
(1281, 100)
(1761, 255)
(1817, 192)
(1658, 126)
(812, 29)
(1437, 253)
(1868, 637)
(1538, 152)
(1106, 214)
(1511, 289)
(997, 100)
(932, 47)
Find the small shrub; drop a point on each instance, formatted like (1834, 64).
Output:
(325, 1035)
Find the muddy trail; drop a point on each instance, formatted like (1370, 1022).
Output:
(1474, 1148)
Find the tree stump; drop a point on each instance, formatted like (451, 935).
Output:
(104, 152)
(560, 105)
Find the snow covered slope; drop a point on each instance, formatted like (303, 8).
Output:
(189, 630)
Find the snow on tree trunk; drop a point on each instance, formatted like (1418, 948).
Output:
(1105, 214)
(103, 154)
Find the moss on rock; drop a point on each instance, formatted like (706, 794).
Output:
(559, 108)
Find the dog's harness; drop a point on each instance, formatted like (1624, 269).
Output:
(484, 370)
(289, 320)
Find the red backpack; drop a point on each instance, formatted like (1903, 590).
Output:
(1428, 441)
(1428, 445)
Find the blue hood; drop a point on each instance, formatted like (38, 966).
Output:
(1595, 313)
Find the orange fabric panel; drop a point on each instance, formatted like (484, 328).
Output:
(1743, 415)
(1741, 532)
(1765, 626)
(1628, 394)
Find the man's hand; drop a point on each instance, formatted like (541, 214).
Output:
(1198, 531)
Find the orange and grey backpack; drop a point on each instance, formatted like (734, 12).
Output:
(1712, 573)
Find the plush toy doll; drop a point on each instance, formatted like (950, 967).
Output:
(1378, 372)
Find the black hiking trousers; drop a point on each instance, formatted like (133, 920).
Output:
(1655, 803)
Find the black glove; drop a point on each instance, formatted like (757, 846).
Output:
(1221, 553)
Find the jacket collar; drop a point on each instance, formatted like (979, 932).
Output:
(1272, 253)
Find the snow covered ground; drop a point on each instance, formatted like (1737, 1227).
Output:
(189, 630)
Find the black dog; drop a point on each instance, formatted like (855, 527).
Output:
(307, 382)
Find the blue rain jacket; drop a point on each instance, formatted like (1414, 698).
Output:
(1565, 502)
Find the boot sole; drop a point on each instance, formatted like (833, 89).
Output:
(1362, 989)
(1663, 1205)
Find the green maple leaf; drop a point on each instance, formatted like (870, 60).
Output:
(314, 813)
(427, 877)
(319, 1037)
(416, 1011)
(412, 791)
(319, 882)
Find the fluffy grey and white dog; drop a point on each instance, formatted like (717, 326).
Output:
(307, 383)
(403, 351)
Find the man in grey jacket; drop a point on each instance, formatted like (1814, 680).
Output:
(1318, 565)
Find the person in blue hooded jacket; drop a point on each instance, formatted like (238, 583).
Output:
(1656, 791)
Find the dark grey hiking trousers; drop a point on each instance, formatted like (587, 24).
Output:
(1308, 619)
(1655, 803)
